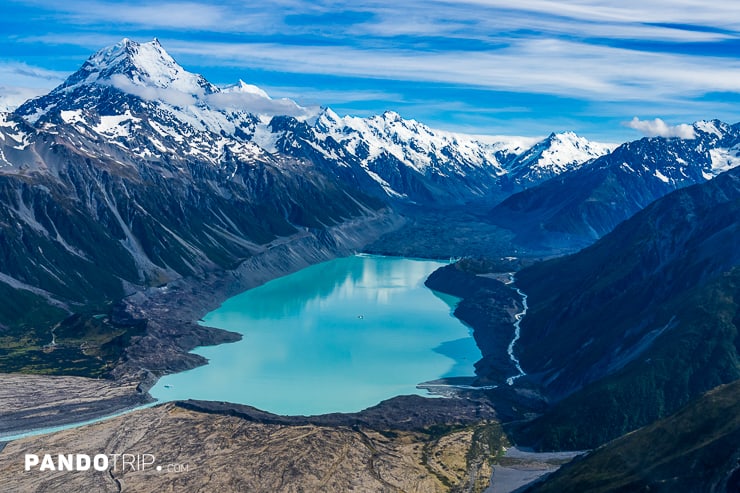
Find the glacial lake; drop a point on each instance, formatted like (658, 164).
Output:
(340, 336)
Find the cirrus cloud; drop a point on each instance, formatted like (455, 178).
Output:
(586, 64)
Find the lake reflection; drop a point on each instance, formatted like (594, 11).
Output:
(335, 337)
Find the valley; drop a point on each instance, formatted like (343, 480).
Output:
(126, 217)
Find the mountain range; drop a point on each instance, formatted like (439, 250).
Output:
(136, 97)
(585, 203)
(136, 195)
(135, 172)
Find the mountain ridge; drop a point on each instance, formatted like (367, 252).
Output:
(400, 159)
(631, 327)
(581, 205)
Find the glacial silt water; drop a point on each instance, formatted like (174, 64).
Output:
(335, 337)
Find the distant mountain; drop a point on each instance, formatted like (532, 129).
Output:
(412, 162)
(630, 328)
(387, 156)
(558, 153)
(693, 450)
(583, 204)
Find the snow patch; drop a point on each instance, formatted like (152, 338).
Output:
(116, 125)
(661, 176)
(724, 159)
(709, 128)
(72, 117)
(265, 138)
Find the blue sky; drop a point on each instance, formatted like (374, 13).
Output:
(479, 66)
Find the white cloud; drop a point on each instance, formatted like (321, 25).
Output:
(665, 20)
(12, 97)
(486, 19)
(14, 74)
(256, 104)
(244, 101)
(659, 128)
(184, 15)
(20, 82)
(529, 46)
(152, 93)
(576, 49)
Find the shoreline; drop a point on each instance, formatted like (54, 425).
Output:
(21, 434)
(39, 402)
(172, 313)
(454, 409)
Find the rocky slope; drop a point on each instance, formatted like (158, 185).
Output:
(631, 328)
(693, 450)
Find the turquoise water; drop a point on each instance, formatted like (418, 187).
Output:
(336, 337)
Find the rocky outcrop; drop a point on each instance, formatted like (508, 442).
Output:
(488, 306)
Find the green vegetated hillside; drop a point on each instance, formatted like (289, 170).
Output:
(698, 352)
(693, 450)
(632, 328)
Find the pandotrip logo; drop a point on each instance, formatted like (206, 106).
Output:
(116, 463)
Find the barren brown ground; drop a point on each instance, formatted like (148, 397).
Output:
(202, 452)
(41, 401)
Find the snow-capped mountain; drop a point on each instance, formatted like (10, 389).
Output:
(130, 174)
(558, 153)
(581, 205)
(409, 160)
(135, 96)
(132, 107)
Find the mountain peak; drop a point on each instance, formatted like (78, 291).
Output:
(244, 88)
(565, 135)
(391, 116)
(557, 153)
(712, 127)
(140, 64)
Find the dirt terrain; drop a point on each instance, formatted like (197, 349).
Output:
(204, 451)
(38, 401)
